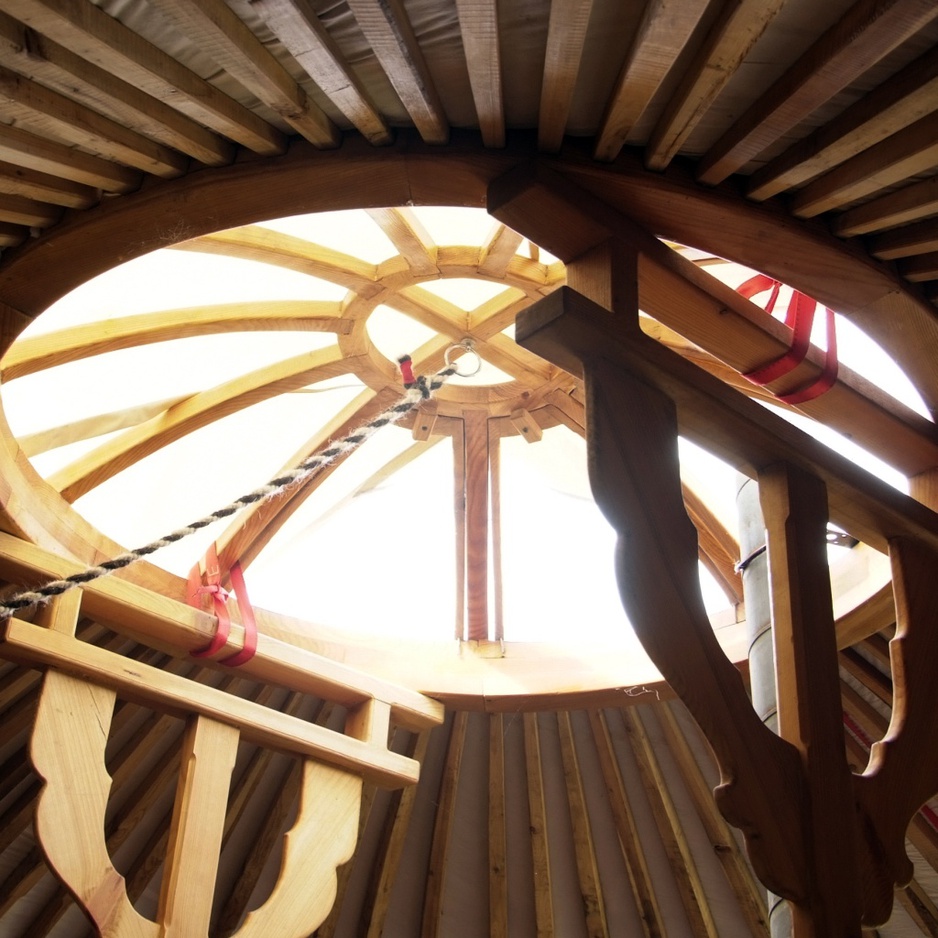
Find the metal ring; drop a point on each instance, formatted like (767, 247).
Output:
(466, 346)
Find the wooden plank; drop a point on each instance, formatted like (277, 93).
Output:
(889, 211)
(29, 184)
(390, 34)
(749, 893)
(565, 329)
(640, 879)
(442, 829)
(297, 26)
(587, 866)
(498, 250)
(193, 852)
(478, 23)
(141, 683)
(905, 154)
(228, 41)
(497, 832)
(540, 849)
(896, 103)
(866, 33)
(406, 232)
(88, 31)
(731, 37)
(664, 31)
(670, 828)
(794, 505)
(919, 238)
(495, 540)
(920, 269)
(60, 70)
(27, 212)
(36, 108)
(459, 512)
(566, 38)
(22, 148)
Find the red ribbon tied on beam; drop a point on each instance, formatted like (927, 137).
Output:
(799, 317)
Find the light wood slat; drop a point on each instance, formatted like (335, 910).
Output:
(442, 829)
(67, 345)
(37, 109)
(889, 211)
(406, 232)
(749, 892)
(45, 61)
(594, 907)
(11, 235)
(176, 627)
(537, 808)
(21, 148)
(919, 906)
(911, 151)
(478, 539)
(665, 29)
(727, 44)
(497, 314)
(84, 29)
(459, 513)
(499, 248)
(566, 39)
(296, 25)
(670, 828)
(104, 462)
(867, 674)
(640, 880)
(253, 242)
(920, 238)
(866, 33)
(27, 212)
(208, 756)
(898, 102)
(478, 22)
(920, 269)
(46, 440)
(384, 870)
(229, 42)
(388, 30)
(138, 682)
(495, 538)
(498, 835)
(20, 181)
(718, 550)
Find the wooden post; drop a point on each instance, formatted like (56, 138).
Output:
(810, 717)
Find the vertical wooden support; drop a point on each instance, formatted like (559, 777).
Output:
(537, 809)
(794, 504)
(477, 525)
(498, 834)
(208, 754)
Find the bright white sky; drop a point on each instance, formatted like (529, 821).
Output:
(383, 560)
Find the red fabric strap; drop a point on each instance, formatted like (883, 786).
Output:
(210, 583)
(800, 319)
(247, 620)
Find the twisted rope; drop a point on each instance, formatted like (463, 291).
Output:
(416, 391)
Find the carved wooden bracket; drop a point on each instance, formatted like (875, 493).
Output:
(834, 847)
(69, 738)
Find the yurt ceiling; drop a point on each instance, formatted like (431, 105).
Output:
(223, 222)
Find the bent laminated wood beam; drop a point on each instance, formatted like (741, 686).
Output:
(791, 795)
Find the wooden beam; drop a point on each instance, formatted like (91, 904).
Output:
(905, 154)
(297, 26)
(498, 250)
(390, 34)
(901, 207)
(478, 23)
(919, 238)
(477, 493)
(920, 269)
(29, 184)
(566, 38)
(88, 31)
(896, 103)
(664, 31)
(866, 33)
(497, 832)
(794, 505)
(406, 232)
(731, 37)
(540, 846)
